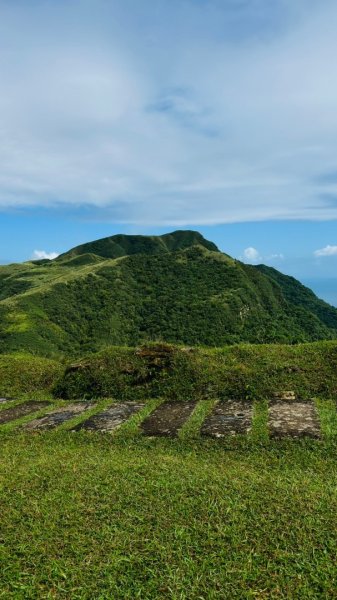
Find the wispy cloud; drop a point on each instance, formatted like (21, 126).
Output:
(186, 113)
(42, 254)
(327, 251)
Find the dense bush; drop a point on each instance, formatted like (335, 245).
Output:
(243, 372)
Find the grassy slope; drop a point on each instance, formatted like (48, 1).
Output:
(89, 516)
(22, 374)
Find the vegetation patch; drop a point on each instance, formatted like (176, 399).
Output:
(22, 374)
(242, 372)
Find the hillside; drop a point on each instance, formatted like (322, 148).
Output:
(126, 290)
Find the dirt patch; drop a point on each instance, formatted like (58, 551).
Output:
(57, 417)
(293, 419)
(167, 419)
(228, 418)
(110, 418)
(21, 410)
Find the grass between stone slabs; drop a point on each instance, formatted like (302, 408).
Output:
(98, 405)
(191, 428)
(130, 428)
(88, 516)
(328, 417)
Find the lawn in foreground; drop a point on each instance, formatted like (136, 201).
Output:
(88, 516)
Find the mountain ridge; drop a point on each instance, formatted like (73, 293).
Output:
(177, 288)
(120, 245)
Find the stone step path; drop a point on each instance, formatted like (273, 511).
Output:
(21, 410)
(293, 419)
(110, 418)
(286, 418)
(58, 416)
(228, 419)
(167, 419)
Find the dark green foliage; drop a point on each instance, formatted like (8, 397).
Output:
(178, 288)
(300, 296)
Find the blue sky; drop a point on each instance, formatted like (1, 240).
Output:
(144, 117)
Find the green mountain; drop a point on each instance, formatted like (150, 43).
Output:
(126, 245)
(125, 290)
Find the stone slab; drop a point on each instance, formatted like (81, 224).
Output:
(111, 418)
(21, 410)
(58, 416)
(285, 395)
(293, 419)
(228, 419)
(167, 419)
(4, 400)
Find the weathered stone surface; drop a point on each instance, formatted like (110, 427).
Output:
(167, 419)
(111, 418)
(293, 419)
(228, 418)
(58, 416)
(21, 410)
(285, 395)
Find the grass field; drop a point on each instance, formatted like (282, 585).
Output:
(92, 516)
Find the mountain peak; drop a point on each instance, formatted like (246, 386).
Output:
(124, 245)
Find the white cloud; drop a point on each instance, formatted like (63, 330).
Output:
(141, 117)
(252, 255)
(327, 251)
(41, 254)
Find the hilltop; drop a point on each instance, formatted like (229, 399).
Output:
(127, 290)
(126, 245)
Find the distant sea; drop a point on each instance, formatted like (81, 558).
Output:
(326, 289)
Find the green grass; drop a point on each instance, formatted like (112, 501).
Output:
(192, 426)
(91, 516)
(22, 374)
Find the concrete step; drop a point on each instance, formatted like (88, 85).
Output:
(111, 418)
(293, 420)
(21, 410)
(58, 416)
(228, 419)
(167, 419)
